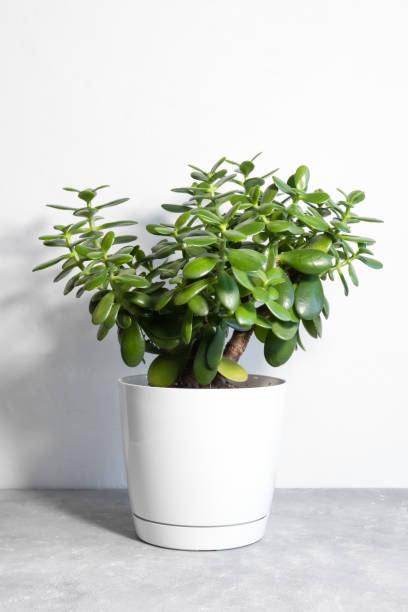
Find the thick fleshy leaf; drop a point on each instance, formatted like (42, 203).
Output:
(245, 314)
(309, 297)
(187, 327)
(132, 279)
(243, 279)
(132, 345)
(232, 370)
(249, 227)
(307, 261)
(234, 236)
(207, 216)
(353, 275)
(202, 372)
(372, 263)
(159, 230)
(199, 267)
(283, 186)
(215, 348)
(51, 262)
(279, 311)
(284, 226)
(200, 240)
(317, 197)
(286, 292)
(198, 305)
(358, 239)
(245, 259)
(102, 308)
(316, 223)
(285, 330)
(227, 292)
(189, 291)
(301, 178)
(164, 370)
(278, 351)
(320, 242)
(269, 195)
(261, 294)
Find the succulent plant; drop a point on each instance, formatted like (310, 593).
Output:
(245, 254)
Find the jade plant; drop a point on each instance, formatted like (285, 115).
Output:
(246, 254)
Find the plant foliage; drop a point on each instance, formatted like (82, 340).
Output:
(244, 253)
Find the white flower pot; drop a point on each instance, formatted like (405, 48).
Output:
(201, 463)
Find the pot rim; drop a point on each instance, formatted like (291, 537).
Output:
(126, 381)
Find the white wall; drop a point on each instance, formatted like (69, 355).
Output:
(128, 92)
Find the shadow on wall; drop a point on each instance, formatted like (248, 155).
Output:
(59, 414)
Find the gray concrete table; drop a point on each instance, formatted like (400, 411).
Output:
(325, 551)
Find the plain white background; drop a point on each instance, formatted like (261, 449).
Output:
(128, 92)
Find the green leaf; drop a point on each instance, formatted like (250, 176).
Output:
(284, 226)
(71, 283)
(199, 267)
(189, 291)
(176, 208)
(356, 196)
(132, 279)
(310, 327)
(200, 240)
(124, 238)
(199, 176)
(49, 263)
(301, 178)
(132, 345)
(326, 308)
(217, 165)
(198, 305)
(159, 230)
(245, 314)
(358, 239)
(261, 294)
(352, 274)
(260, 333)
(116, 224)
(102, 308)
(87, 195)
(279, 311)
(164, 299)
(285, 330)
(202, 372)
(124, 320)
(232, 370)
(264, 323)
(245, 259)
(246, 168)
(344, 282)
(309, 297)
(164, 370)
(119, 258)
(372, 263)
(95, 280)
(278, 351)
(249, 227)
(58, 207)
(367, 219)
(55, 243)
(113, 203)
(286, 292)
(283, 186)
(243, 278)
(269, 195)
(234, 236)
(206, 216)
(321, 242)
(187, 327)
(227, 292)
(307, 261)
(215, 348)
(316, 223)
(317, 197)
(107, 241)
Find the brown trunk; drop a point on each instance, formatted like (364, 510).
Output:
(233, 350)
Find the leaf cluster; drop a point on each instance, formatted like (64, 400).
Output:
(245, 252)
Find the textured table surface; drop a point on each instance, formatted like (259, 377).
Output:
(325, 551)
